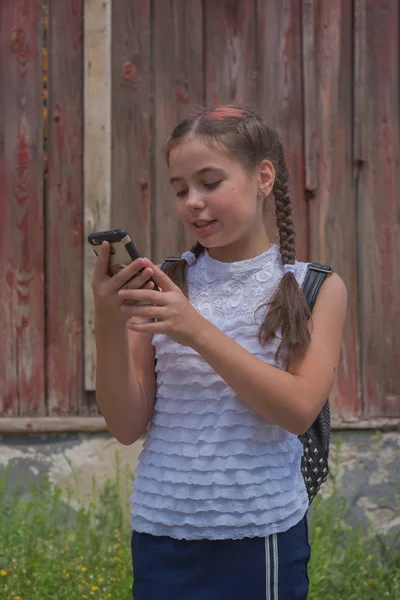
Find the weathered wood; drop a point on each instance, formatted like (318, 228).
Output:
(52, 424)
(378, 212)
(333, 228)
(309, 95)
(279, 97)
(360, 91)
(130, 115)
(379, 423)
(135, 90)
(230, 51)
(178, 85)
(64, 210)
(22, 366)
(97, 152)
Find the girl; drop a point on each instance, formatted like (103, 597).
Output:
(219, 501)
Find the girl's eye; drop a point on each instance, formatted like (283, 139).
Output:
(181, 194)
(212, 186)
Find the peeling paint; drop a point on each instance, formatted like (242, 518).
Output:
(382, 519)
(8, 453)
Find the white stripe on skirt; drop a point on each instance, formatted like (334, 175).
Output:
(271, 567)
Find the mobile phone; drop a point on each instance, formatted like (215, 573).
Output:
(122, 250)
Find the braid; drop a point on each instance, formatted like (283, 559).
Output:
(287, 309)
(177, 269)
(197, 249)
(283, 209)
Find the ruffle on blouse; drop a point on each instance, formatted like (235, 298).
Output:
(210, 435)
(213, 463)
(253, 476)
(214, 532)
(229, 418)
(218, 518)
(247, 448)
(243, 331)
(224, 525)
(211, 505)
(221, 400)
(187, 491)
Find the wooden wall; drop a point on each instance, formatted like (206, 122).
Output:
(64, 211)
(121, 74)
(22, 264)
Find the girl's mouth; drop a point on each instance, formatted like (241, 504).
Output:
(205, 227)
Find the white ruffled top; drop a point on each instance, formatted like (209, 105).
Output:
(210, 466)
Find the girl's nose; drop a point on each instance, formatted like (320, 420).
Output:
(195, 199)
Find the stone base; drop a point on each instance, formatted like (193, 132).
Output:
(368, 468)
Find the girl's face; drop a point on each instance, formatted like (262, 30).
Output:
(218, 201)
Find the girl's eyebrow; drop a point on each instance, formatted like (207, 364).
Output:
(199, 172)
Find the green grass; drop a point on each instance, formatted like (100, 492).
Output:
(49, 551)
(348, 563)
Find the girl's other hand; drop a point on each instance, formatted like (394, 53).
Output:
(167, 311)
(105, 289)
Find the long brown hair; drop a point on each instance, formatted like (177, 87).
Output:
(247, 139)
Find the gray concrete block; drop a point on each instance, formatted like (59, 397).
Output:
(368, 474)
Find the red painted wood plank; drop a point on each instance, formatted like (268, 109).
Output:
(131, 111)
(333, 227)
(379, 210)
(178, 85)
(230, 51)
(309, 95)
(64, 211)
(360, 90)
(21, 210)
(279, 98)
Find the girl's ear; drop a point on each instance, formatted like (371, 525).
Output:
(266, 177)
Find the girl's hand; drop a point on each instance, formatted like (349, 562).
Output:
(105, 289)
(169, 310)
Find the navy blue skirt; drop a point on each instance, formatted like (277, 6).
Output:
(270, 568)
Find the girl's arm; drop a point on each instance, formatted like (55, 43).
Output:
(292, 398)
(125, 380)
(125, 360)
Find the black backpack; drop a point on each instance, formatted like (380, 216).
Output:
(316, 440)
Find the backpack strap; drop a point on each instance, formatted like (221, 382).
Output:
(316, 275)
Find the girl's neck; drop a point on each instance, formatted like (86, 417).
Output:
(237, 252)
